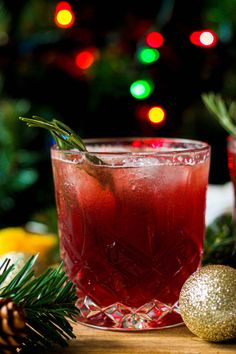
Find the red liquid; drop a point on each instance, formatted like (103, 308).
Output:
(232, 170)
(134, 238)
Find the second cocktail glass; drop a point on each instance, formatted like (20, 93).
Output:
(231, 150)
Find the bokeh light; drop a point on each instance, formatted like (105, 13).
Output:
(148, 55)
(141, 89)
(63, 5)
(206, 38)
(84, 59)
(154, 39)
(64, 16)
(156, 115)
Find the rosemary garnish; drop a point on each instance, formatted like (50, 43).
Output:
(67, 139)
(224, 113)
(63, 135)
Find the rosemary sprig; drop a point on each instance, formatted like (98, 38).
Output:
(224, 113)
(48, 302)
(65, 139)
(63, 135)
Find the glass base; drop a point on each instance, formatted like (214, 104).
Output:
(152, 315)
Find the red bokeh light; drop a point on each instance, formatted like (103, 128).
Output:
(84, 59)
(154, 39)
(63, 5)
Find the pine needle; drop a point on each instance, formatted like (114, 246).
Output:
(48, 302)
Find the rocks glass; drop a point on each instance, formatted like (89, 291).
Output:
(131, 219)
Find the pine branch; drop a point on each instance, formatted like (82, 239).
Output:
(224, 114)
(219, 245)
(5, 270)
(48, 302)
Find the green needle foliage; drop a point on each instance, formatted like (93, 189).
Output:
(220, 236)
(66, 139)
(63, 135)
(224, 113)
(48, 302)
(219, 245)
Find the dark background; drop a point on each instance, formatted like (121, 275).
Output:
(38, 75)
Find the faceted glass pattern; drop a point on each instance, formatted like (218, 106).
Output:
(119, 316)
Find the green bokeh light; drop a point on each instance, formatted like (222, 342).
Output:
(141, 89)
(148, 55)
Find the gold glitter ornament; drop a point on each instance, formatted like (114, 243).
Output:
(207, 303)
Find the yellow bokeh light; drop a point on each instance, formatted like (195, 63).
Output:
(156, 114)
(64, 18)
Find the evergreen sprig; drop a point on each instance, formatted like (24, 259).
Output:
(66, 138)
(63, 135)
(220, 236)
(47, 300)
(225, 113)
(219, 245)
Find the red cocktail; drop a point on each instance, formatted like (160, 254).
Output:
(131, 226)
(231, 147)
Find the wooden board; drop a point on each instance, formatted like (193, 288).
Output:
(177, 340)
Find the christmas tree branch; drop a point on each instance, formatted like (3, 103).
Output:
(5, 270)
(48, 302)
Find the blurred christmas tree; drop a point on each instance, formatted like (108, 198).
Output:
(116, 69)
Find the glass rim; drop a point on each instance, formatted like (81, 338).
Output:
(191, 146)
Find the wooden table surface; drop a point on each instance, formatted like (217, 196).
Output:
(178, 340)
